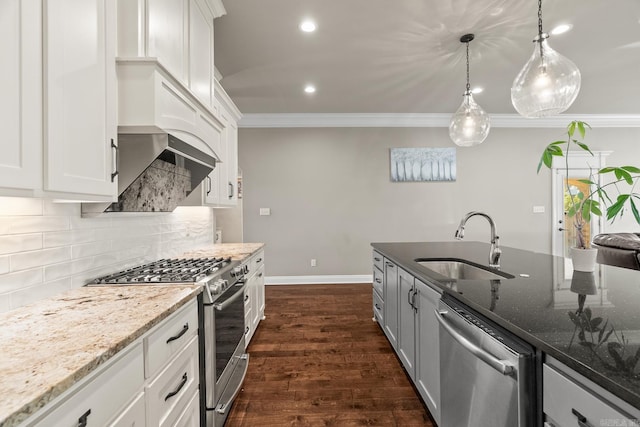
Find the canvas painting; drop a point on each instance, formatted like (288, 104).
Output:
(423, 164)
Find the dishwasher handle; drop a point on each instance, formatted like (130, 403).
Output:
(495, 363)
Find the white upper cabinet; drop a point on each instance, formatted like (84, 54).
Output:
(228, 169)
(58, 99)
(21, 100)
(80, 90)
(178, 33)
(201, 48)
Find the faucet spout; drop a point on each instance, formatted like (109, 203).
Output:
(494, 251)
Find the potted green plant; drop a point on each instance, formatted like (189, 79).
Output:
(583, 205)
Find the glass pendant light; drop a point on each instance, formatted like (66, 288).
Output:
(470, 124)
(548, 84)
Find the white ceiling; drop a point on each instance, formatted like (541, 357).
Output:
(404, 56)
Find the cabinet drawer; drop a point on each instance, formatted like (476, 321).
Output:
(378, 308)
(104, 395)
(256, 262)
(169, 337)
(132, 416)
(378, 278)
(170, 392)
(562, 397)
(190, 417)
(378, 261)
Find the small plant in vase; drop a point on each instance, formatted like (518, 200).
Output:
(582, 205)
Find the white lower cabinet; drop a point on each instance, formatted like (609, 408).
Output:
(133, 415)
(570, 400)
(103, 394)
(124, 392)
(254, 295)
(169, 392)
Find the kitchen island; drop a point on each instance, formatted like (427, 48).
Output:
(540, 305)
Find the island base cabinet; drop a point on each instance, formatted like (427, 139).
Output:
(132, 416)
(407, 322)
(427, 379)
(568, 403)
(391, 303)
(378, 308)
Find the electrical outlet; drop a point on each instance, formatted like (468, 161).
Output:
(313, 262)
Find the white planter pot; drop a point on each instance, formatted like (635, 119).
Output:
(583, 259)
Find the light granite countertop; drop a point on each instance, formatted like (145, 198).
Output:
(237, 251)
(49, 345)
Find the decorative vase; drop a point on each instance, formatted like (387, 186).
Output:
(583, 259)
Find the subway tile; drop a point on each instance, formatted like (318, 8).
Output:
(103, 221)
(5, 302)
(69, 268)
(27, 260)
(70, 237)
(20, 242)
(32, 224)
(4, 265)
(90, 249)
(18, 206)
(22, 279)
(52, 208)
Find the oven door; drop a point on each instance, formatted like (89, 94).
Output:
(224, 351)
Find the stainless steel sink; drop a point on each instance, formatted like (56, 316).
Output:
(462, 270)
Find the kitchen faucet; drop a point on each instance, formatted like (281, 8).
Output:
(494, 252)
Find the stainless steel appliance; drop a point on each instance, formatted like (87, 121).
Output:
(487, 375)
(222, 358)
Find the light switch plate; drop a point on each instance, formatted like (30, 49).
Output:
(265, 211)
(538, 209)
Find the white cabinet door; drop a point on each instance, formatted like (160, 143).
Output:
(201, 51)
(428, 348)
(391, 302)
(132, 416)
(21, 100)
(167, 34)
(80, 90)
(406, 322)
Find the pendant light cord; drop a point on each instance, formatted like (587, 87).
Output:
(541, 34)
(468, 85)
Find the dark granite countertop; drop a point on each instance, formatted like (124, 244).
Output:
(588, 321)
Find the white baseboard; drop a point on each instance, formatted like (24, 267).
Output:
(318, 280)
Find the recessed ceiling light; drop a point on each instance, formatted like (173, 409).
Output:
(560, 29)
(308, 26)
(477, 90)
(310, 89)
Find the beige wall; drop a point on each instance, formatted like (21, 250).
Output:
(330, 194)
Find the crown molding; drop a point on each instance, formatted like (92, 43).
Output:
(217, 8)
(386, 120)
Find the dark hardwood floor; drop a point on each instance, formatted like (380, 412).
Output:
(319, 360)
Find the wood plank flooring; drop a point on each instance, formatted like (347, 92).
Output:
(319, 360)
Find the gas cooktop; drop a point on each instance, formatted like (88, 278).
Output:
(178, 270)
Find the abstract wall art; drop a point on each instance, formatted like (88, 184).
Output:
(423, 164)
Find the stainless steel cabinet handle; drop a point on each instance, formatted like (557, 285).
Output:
(499, 365)
(231, 190)
(413, 300)
(409, 297)
(82, 421)
(209, 184)
(582, 420)
(177, 390)
(116, 159)
(221, 306)
(184, 330)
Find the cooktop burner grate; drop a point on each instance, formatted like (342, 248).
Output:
(179, 270)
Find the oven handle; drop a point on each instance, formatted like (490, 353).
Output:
(221, 408)
(221, 306)
(495, 363)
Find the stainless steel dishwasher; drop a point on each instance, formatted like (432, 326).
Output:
(486, 374)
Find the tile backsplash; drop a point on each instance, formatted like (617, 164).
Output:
(47, 247)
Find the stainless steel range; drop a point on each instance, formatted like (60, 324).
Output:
(223, 360)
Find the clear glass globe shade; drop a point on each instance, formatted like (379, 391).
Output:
(547, 84)
(470, 124)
